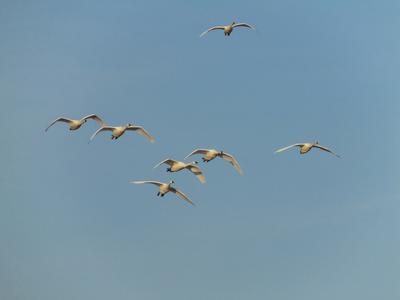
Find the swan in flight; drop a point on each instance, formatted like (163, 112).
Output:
(176, 166)
(306, 147)
(227, 28)
(116, 132)
(165, 188)
(210, 154)
(76, 124)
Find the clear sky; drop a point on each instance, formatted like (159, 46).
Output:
(293, 227)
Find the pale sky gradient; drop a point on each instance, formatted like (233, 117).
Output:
(293, 227)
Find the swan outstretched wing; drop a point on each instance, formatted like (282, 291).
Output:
(325, 149)
(157, 183)
(167, 161)
(103, 128)
(211, 29)
(233, 161)
(96, 118)
(243, 25)
(198, 172)
(288, 147)
(181, 195)
(60, 119)
(198, 151)
(140, 130)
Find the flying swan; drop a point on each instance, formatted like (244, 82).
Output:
(116, 132)
(76, 124)
(306, 147)
(165, 188)
(176, 166)
(210, 154)
(227, 28)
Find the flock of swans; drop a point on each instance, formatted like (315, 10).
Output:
(174, 165)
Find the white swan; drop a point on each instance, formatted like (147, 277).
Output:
(176, 166)
(306, 147)
(117, 131)
(210, 154)
(165, 188)
(76, 124)
(227, 28)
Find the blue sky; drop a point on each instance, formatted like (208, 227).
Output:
(293, 227)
